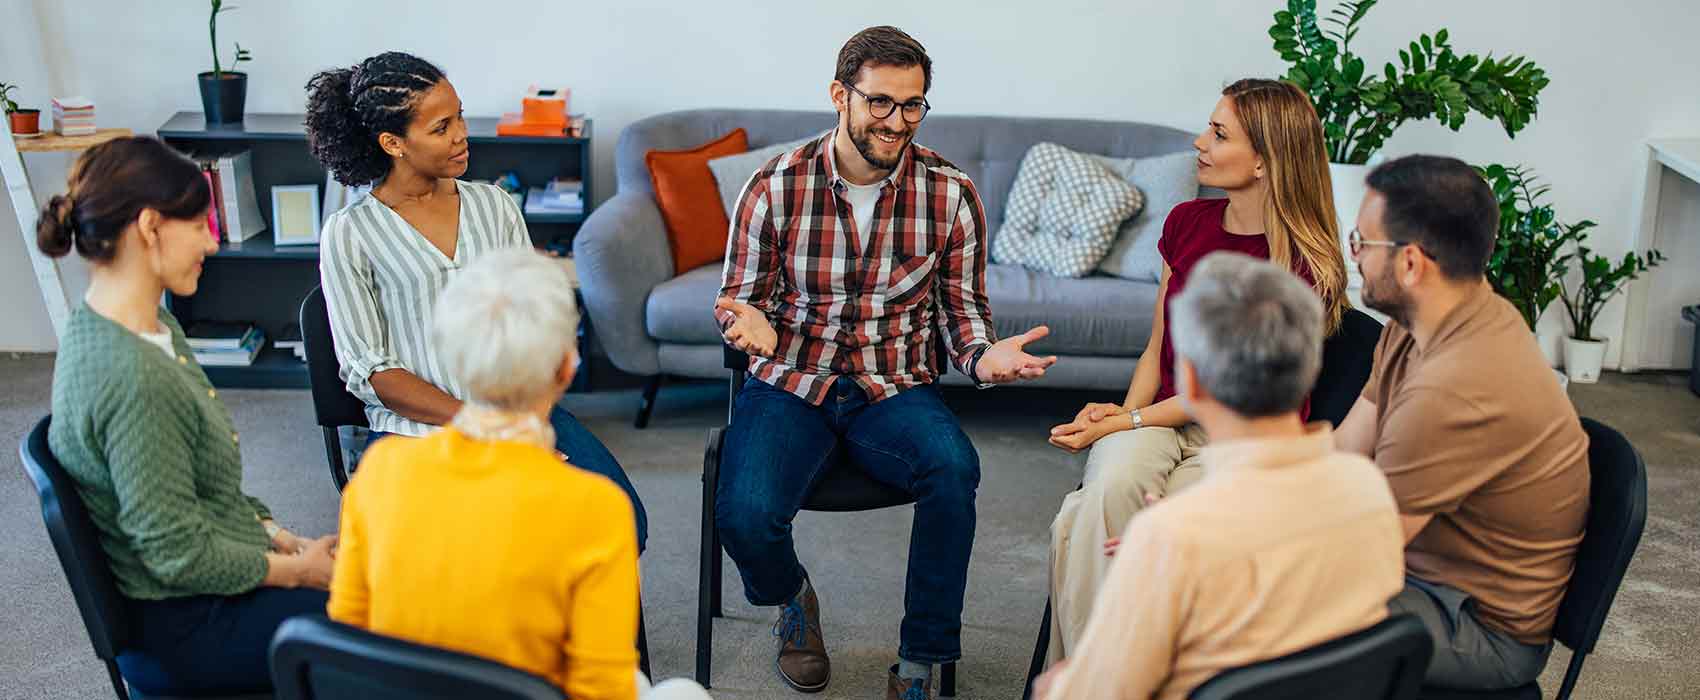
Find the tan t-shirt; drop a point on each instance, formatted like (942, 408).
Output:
(1475, 430)
(1283, 545)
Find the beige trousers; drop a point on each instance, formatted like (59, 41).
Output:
(1120, 470)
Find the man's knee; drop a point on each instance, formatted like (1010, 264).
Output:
(949, 462)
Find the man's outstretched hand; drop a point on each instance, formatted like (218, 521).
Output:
(1007, 360)
(749, 331)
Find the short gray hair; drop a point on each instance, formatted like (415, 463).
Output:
(504, 325)
(1253, 332)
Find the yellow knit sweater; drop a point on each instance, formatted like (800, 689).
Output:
(496, 549)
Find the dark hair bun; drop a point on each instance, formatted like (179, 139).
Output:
(55, 230)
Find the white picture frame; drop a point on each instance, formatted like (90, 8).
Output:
(295, 215)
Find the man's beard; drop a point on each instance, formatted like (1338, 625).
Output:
(1383, 294)
(863, 139)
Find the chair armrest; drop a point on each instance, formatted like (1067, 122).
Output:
(621, 254)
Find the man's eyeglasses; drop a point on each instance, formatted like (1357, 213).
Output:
(881, 107)
(1357, 243)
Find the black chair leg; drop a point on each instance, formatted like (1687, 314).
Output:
(1571, 673)
(708, 574)
(647, 405)
(118, 687)
(1040, 647)
(947, 680)
(643, 644)
(333, 452)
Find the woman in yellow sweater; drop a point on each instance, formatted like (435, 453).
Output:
(480, 537)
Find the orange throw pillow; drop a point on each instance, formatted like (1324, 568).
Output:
(690, 201)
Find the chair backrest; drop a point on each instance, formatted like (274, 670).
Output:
(333, 405)
(1617, 512)
(77, 543)
(1347, 357)
(1384, 662)
(313, 658)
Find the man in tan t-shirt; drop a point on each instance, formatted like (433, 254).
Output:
(1284, 542)
(1484, 451)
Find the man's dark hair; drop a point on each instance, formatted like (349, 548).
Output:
(882, 46)
(1442, 205)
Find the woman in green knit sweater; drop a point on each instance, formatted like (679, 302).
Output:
(207, 575)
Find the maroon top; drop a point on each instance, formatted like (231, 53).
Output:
(1192, 231)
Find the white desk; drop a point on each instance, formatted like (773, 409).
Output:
(17, 181)
(1681, 156)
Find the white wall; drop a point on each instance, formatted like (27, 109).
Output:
(1621, 71)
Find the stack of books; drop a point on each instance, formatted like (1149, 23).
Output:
(290, 339)
(73, 116)
(235, 214)
(225, 344)
(558, 197)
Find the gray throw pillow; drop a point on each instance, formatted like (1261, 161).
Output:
(1165, 181)
(732, 172)
(1062, 212)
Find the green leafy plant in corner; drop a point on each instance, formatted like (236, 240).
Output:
(1601, 280)
(1360, 109)
(5, 97)
(212, 31)
(1528, 263)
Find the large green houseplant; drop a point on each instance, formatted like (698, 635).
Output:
(1360, 109)
(1529, 260)
(224, 93)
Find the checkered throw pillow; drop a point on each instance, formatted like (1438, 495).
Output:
(1063, 212)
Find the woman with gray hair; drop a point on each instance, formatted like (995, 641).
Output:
(529, 560)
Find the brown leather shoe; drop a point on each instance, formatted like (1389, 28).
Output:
(900, 689)
(802, 661)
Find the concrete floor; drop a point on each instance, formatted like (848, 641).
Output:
(858, 560)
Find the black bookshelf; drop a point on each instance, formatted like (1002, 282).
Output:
(257, 281)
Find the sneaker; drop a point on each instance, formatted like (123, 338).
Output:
(907, 689)
(802, 661)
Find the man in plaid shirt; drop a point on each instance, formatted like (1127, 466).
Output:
(848, 258)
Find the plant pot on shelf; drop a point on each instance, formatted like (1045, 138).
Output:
(1582, 359)
(223, 96)
(26, 123)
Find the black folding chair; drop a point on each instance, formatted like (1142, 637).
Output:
(333, 405)
(1617, 512)
(844, 488)
(316, 659)
(1384, 662)
(77, 543)
(1347, 358)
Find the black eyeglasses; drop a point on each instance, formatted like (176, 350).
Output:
(880, 107)
(1357, 243)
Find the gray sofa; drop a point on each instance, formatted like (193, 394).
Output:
(656, 323)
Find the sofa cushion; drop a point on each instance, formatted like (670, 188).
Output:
(681, 310)
(1095, 315)
(732, 173)
(689, 201)
(1164, 181)
(1063, 212)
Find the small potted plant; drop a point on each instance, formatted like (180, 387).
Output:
(1528, 263)
(26, 123)
(1601, 280)
(223, 92)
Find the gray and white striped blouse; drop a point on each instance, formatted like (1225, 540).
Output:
(381, 277)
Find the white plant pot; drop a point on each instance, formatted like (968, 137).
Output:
(1349, 189)
(1552, 346)
(1582, 359)
(1563, 380)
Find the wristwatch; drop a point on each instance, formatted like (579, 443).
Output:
(974, 369)
(272, 528)
(1138, 420)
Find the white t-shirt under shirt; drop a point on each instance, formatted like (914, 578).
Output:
(862, 200)
(163, 340)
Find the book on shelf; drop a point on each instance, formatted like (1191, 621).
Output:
(219, 335)
(560, 196)
(290, 339)
(338, 196)
(212, 212)
(236, 203)
(242, 355)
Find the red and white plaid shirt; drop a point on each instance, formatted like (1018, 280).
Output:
(855, 303)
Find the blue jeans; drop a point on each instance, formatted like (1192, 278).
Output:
(209, 644)
(779, 445)
(586, 452)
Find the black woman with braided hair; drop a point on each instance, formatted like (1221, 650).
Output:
(394, 122)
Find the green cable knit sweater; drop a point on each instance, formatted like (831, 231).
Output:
(155, 459)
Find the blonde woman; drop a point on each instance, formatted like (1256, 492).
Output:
(1264, 146)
